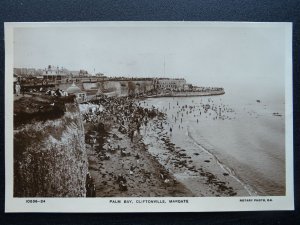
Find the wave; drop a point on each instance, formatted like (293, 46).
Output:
(251, 191)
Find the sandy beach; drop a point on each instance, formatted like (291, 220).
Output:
(141, 173)
(120, 164)
(132, 155)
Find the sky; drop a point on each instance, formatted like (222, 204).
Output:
(244, 57)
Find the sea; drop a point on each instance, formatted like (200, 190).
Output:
(246, 135)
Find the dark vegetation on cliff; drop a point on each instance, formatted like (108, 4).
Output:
(39, 108)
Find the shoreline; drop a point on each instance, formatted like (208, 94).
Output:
(197, 174)
(198, 171)
(219, 126)
(119, 163)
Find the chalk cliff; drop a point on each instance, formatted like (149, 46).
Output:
(50, 158)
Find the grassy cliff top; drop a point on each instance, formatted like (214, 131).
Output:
(39, 108)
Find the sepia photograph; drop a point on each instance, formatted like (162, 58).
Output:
(159, 113)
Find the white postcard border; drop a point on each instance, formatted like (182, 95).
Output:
(141, 204)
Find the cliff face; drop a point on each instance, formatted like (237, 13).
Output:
(50, 158)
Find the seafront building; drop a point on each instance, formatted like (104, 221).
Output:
(59, 75)
(84, 85)
(54, 73)
(171, 84)
(25, 71)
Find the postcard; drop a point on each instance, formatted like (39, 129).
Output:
(148, 117)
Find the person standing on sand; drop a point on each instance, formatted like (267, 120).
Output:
(18, 88)
(131, 134)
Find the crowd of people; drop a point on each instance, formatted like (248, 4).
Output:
(125, 111)
(56, 92)
(131, 116)
(127, 116)
(181, 112)
(42, 90)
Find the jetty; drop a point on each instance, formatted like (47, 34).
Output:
(187, 94)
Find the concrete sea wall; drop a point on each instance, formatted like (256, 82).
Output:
(120, 87)
(188, 94)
